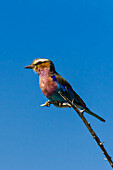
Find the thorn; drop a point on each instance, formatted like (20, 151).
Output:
(102, 143)
(105, 159)
(89, 123)
(94, 136)
(82, 111)
(73, 101)
(112, 165)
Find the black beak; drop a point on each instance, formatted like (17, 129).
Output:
(29, 66)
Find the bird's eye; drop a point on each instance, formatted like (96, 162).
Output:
(39, 62)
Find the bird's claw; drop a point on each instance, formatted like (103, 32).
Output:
(47, 104)
(66, 105)
(59, 104)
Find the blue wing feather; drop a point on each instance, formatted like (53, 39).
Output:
(66, 88)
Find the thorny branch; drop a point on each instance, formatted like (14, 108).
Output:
(99, 143)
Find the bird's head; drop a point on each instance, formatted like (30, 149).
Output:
(41, 64)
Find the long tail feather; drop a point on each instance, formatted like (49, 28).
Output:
(93, 114)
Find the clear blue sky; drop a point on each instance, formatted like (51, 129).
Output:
(78, 36)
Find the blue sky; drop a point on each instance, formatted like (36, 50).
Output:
(78, 37)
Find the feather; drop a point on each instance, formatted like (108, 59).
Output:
(68, 90)
(87, 110)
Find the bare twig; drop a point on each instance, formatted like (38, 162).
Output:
(108, 158)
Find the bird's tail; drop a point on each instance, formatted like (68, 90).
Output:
(91, 113)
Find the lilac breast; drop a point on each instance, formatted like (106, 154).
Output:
(47, 85)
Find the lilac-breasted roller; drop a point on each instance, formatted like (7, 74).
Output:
(51, 83)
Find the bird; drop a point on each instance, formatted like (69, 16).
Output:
(51, 83)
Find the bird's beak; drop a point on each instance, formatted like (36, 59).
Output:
(31, 66)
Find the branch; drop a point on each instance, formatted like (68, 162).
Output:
(99, 143)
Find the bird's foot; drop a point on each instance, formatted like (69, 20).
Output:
(59, 104)
(65, 105)
(47, 104)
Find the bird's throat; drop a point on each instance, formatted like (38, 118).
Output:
(43, 71)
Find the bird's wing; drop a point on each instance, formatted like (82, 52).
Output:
(68, 90)
(70, 94)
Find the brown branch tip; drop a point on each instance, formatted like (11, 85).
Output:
(87, 124)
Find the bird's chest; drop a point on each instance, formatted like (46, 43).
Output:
(47, 85)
